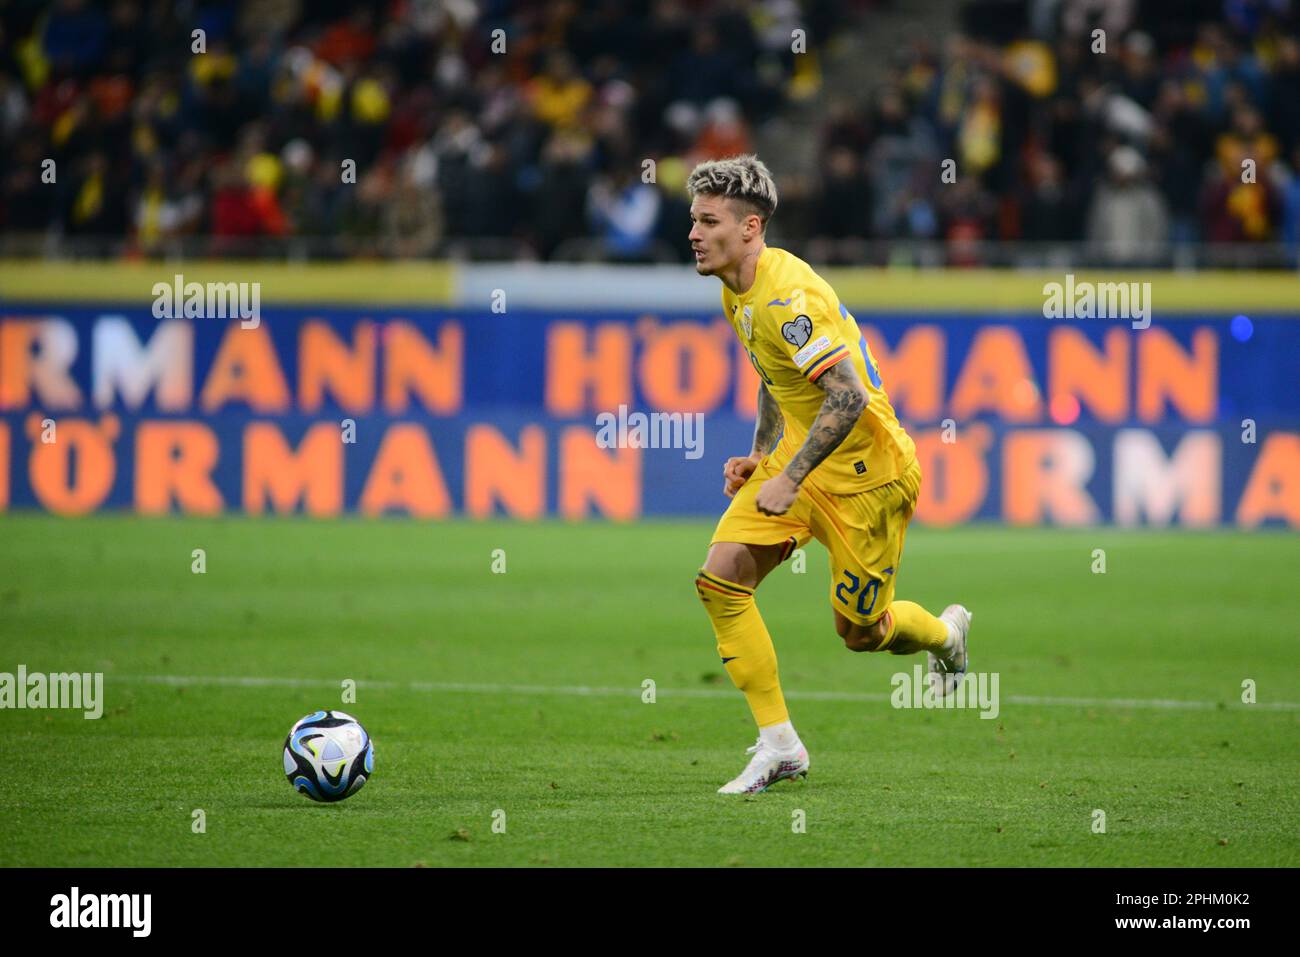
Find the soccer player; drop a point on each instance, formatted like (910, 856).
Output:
(829, 460)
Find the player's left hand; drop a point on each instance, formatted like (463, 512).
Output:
(776, 495)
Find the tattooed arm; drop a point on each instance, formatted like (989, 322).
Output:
(768, 425)
(846, 397)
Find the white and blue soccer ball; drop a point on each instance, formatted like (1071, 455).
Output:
(328, 756)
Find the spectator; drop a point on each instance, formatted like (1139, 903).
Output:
(559, 95)
(844, 207)
(1050, 208)
(559, 200)
(724, 133)
(623, 211)
(1127, 220)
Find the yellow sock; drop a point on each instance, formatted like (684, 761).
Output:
(914, 629)
(744, 645)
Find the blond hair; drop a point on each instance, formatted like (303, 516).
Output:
(742, 178)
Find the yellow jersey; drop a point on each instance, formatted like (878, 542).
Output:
(794, 328)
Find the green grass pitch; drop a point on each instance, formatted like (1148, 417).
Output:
(522, 692)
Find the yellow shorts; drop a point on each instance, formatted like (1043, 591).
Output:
(863, 532)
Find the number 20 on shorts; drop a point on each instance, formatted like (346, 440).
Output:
(849, 587)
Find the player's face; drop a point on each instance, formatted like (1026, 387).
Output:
(717, 235)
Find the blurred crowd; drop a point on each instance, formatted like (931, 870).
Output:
(559, 129)
(402, 128)
(1130, 128)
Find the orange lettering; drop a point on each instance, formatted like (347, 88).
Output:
(1273, 490)
(494, 472)
(312, 475)
(174, 460)
(412, 365)
(50, 466)
(612, 482)
(1166, 373)
(955, 477)
(1098, 380)
(1043, 477)
(325, 361)
(16, 340)
(997, 376)
(573, 370)
(246, 370)
(405, 475)
(46, 369)
(684, 369)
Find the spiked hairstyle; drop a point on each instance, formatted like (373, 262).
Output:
(742, 178)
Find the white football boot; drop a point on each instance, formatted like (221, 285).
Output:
(766, 767)
(947, 673)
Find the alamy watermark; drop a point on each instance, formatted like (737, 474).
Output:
(75, 909)
(1098, 300)
(213, 300)
(976, 690)
(76, 690)
(653, 430)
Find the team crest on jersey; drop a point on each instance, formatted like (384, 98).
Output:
(747, 322)
(797, 331)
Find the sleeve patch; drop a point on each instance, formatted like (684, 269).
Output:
(797, 331)
(810, 350)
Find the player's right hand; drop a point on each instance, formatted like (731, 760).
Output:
(736, 473)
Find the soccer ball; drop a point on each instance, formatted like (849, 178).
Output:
(328, 756)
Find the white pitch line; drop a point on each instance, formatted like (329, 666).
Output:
(597, 692)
